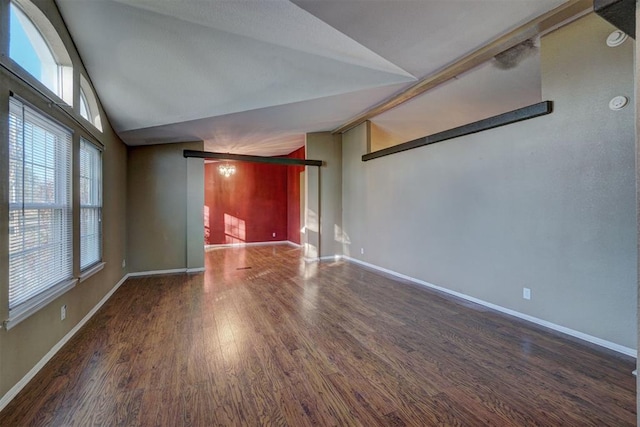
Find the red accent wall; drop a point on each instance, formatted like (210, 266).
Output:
(249, 206)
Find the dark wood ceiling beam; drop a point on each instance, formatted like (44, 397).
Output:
(621, 13)
(526, 113)
(255, 159)
(531, 29)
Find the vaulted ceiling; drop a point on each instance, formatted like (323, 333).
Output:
(253, 76)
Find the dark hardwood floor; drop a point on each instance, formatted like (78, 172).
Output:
(264, 339)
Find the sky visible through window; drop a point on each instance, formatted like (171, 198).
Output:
(20, 48)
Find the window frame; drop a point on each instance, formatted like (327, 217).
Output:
(64, 189)
(88, 98)
(83, 106)
(96, 182)
(62, 84)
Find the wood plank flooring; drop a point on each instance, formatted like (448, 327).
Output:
(264, 339)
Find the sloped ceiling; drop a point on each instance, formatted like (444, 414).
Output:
(253, 76)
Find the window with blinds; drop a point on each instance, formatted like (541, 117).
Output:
(90, 204)
(40, 212)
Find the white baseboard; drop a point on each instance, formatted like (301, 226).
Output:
(581, 335)
(172, 271)
(13, 392)
(242, 245)
(323, 258)
(330, 258)
(157, 272)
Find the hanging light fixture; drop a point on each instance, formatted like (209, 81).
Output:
(226, 170)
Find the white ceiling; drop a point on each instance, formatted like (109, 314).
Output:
(253, 76)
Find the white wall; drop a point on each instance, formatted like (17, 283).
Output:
(547, 203)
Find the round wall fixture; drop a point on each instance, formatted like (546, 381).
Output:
(616, 38)
(618, 103)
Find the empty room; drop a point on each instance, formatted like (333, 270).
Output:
(318, 212)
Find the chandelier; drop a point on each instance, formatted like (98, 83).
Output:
(226, 170)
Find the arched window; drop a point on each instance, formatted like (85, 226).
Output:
(35, 45)
(89, 104)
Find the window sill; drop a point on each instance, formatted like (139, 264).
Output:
(91, 271)
(30, 307)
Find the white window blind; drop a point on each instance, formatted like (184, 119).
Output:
(90, 204)
(40, 213)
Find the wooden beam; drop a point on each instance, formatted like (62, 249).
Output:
(256, 159)
(535, 110)
(531, 29)
(621, 13)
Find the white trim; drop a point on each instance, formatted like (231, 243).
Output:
(157, 272)
(295, 245)
(242, 245)
(172, 271)
(581, 335)
(33, 305)
(330, 258)
(8, 397)
(323, 258)
(91, 271)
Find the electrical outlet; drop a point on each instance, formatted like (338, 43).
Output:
(526, 293)
(63, 312)
(361, 251)
(124, 263)
(274, 234)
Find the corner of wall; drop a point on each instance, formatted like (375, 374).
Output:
(164, 208)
